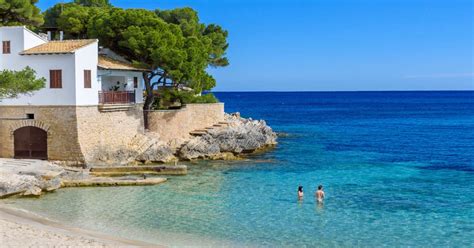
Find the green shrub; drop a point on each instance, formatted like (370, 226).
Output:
(172, 98)
(207, 98)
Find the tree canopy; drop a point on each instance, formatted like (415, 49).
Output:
(15, 83)
(73, 18)
(94, 3)
(173, 44)
(20, 12)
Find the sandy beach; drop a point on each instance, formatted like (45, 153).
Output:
(22, 229)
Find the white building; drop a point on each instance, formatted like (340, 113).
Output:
(76, 74)
(91, 104)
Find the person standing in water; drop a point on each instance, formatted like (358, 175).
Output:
(300, 192)
(319, 194)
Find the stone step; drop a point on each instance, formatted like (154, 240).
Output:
(139, 170)
(196, 133)
(110, 182)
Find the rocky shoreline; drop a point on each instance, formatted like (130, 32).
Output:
(238, 137)
(36, 177)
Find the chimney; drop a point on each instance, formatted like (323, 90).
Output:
(61, 35)
(49, 35)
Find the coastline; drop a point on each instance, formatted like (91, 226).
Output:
(19, 227)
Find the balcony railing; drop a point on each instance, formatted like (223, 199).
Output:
(116, 97)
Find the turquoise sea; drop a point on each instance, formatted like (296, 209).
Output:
(397, 167)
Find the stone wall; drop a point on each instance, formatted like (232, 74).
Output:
(59, 121)
(83, 134)
(176, 124)
(75, 134)
(103, 133)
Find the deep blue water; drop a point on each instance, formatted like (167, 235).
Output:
(397, 167)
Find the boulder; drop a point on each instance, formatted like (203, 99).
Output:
(201, 147)
(157, 152)
(28, 177)
(33, 191)
(240, 136)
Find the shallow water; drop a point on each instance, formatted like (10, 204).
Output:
(397, 167)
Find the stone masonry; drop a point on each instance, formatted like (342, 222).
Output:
(75, 134)
(176, 124)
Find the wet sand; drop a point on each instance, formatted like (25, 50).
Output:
(19, 228)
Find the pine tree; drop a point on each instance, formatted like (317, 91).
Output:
(20, 12)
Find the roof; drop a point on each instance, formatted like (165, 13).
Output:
(58, 47)
(107, 63)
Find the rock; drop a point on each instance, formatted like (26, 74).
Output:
(240, 136)
(28, 177)
(158, 152)
(33, 191)
(141, 148)
(224, 156)
(51, 185)
(200, 147)
(11, 183)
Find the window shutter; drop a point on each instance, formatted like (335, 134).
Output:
(87, 79)
(6, 47)
(55, 79)
(135, 82)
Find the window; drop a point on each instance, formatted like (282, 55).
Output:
(6, 47)
(87, 79)
(30, 116)
(55, 79)
(135, 82)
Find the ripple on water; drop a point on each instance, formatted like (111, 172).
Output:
(397, 171)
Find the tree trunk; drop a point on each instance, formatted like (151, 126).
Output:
(150, 97)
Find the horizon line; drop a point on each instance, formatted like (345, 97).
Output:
(329, 91)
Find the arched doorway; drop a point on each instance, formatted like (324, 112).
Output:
(31, 142)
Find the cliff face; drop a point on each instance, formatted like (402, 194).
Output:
(240, 136)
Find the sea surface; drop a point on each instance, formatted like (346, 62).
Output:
(397, 169)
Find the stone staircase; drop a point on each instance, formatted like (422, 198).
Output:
(201, 132)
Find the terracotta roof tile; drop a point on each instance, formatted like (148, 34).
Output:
(112, 64)
(58, 47)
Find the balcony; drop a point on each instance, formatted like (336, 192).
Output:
(116, 97)
(112, 101)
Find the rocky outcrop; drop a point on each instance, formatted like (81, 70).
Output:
(28, 177)
(35, 177)
(240, 136)
(141, 148)
(157, 152)
(225, 142)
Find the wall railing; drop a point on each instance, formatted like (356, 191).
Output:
(116, 97)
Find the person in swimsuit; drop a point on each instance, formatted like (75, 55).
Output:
(319, 194)
(300, 192)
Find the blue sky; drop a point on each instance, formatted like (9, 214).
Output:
(332, 45)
